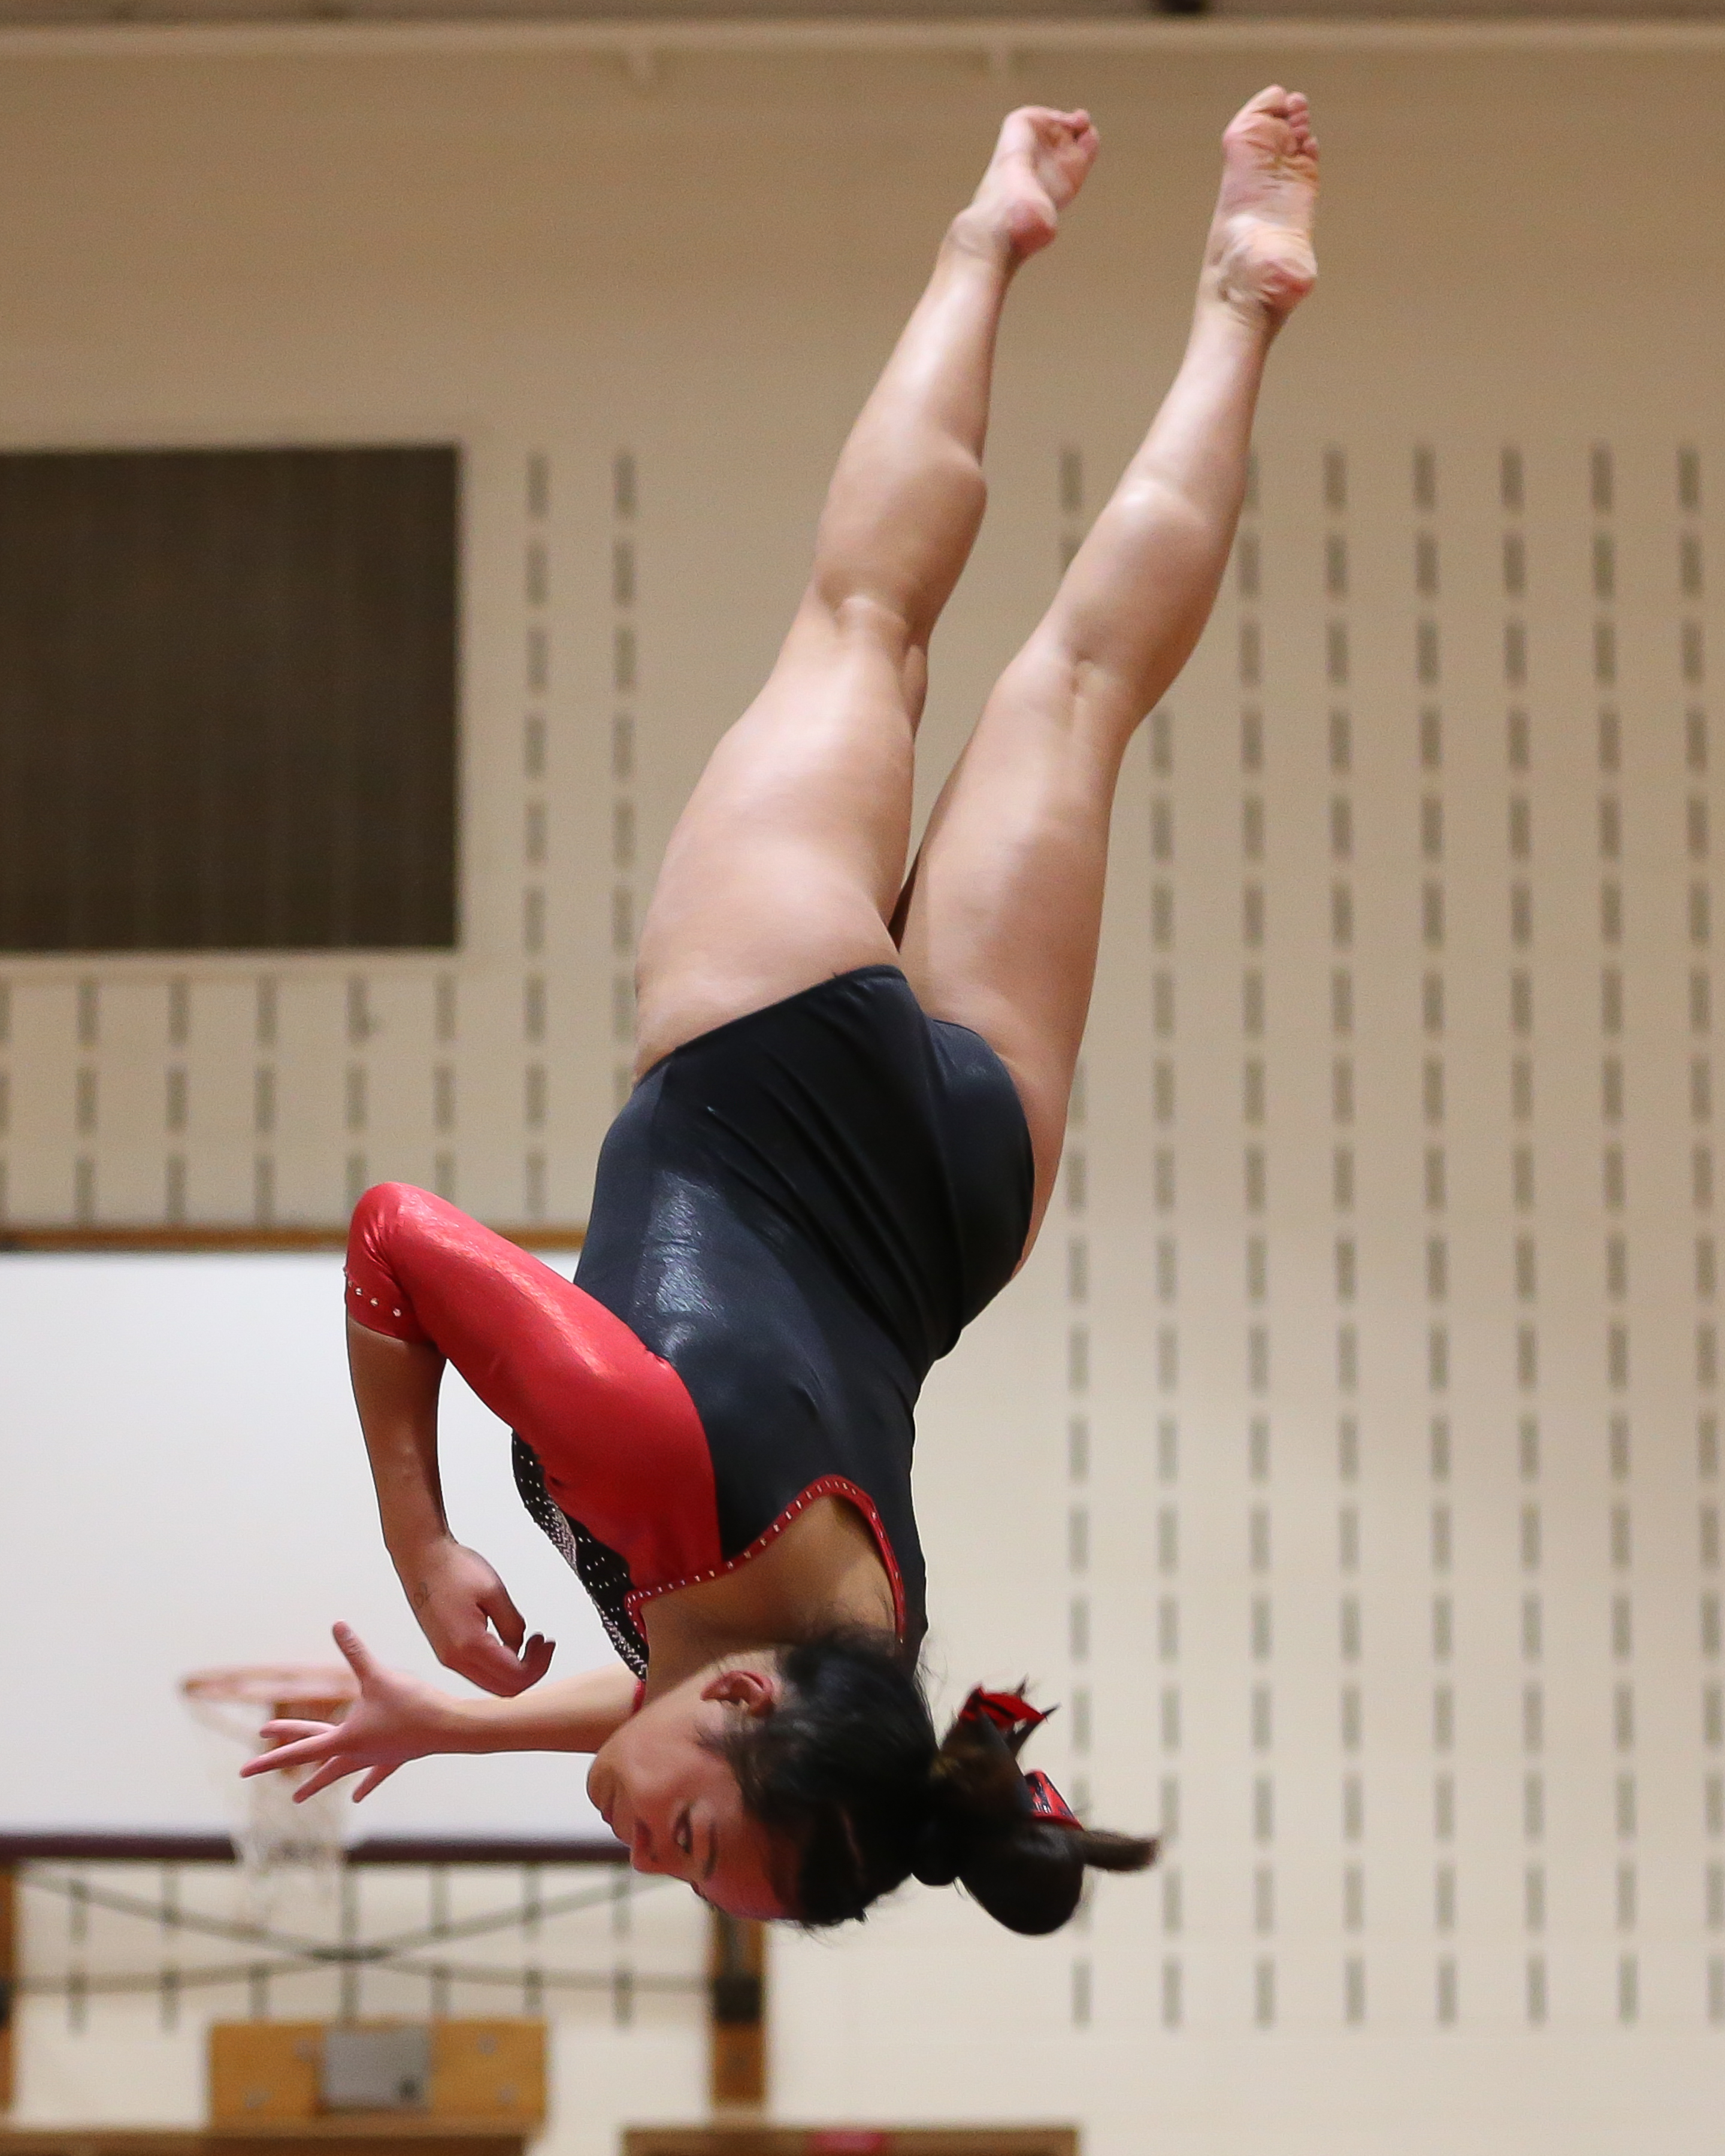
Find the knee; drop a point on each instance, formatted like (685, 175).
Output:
(866, 616)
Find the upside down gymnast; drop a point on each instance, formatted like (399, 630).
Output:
(846, 1130)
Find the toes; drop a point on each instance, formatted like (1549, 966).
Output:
(1276, 103)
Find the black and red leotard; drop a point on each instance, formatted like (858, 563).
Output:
(794, 1216)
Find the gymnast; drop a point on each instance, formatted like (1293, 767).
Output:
(844, 1136)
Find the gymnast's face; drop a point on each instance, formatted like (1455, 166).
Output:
(662, 1788)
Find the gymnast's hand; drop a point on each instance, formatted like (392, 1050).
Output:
(464, 1610)
(395, 1718)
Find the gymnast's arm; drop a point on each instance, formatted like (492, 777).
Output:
(397, 1718)
(454, 1593)
(424, 1283)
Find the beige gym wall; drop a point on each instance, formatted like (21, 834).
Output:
(1270, 1518)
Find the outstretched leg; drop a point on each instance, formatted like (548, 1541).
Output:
(1000, 922)
(785, 865)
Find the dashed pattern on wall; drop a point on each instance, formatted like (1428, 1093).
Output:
(1076, 1178)
(1418, 1425)
(1338, 823)
(625, 840)
(1253, 1093)
(536, 840)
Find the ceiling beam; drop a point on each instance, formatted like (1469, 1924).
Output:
(996, 43)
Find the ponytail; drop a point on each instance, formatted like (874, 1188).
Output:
(847, 1766)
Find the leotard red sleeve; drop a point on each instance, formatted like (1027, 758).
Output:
(613, 1424)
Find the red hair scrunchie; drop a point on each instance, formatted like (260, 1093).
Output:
(1009, 1713)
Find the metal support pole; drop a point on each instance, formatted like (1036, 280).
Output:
(736, 1991)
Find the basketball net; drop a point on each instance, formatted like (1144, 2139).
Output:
(287, 1852)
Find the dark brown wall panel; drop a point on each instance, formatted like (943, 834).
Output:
(228, 699)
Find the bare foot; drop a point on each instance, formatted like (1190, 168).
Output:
(1260, 243)
(1038, 164)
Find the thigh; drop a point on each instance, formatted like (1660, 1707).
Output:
(784, 867)
(1000, 925)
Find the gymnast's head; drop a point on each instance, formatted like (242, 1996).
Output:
(806, 1782)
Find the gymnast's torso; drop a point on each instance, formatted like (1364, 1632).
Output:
(799, 1212)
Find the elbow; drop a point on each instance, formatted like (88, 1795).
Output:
(374, 1218)
(391, 1222)
(387, 1206)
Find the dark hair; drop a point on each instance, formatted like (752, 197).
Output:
(848, 1768)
